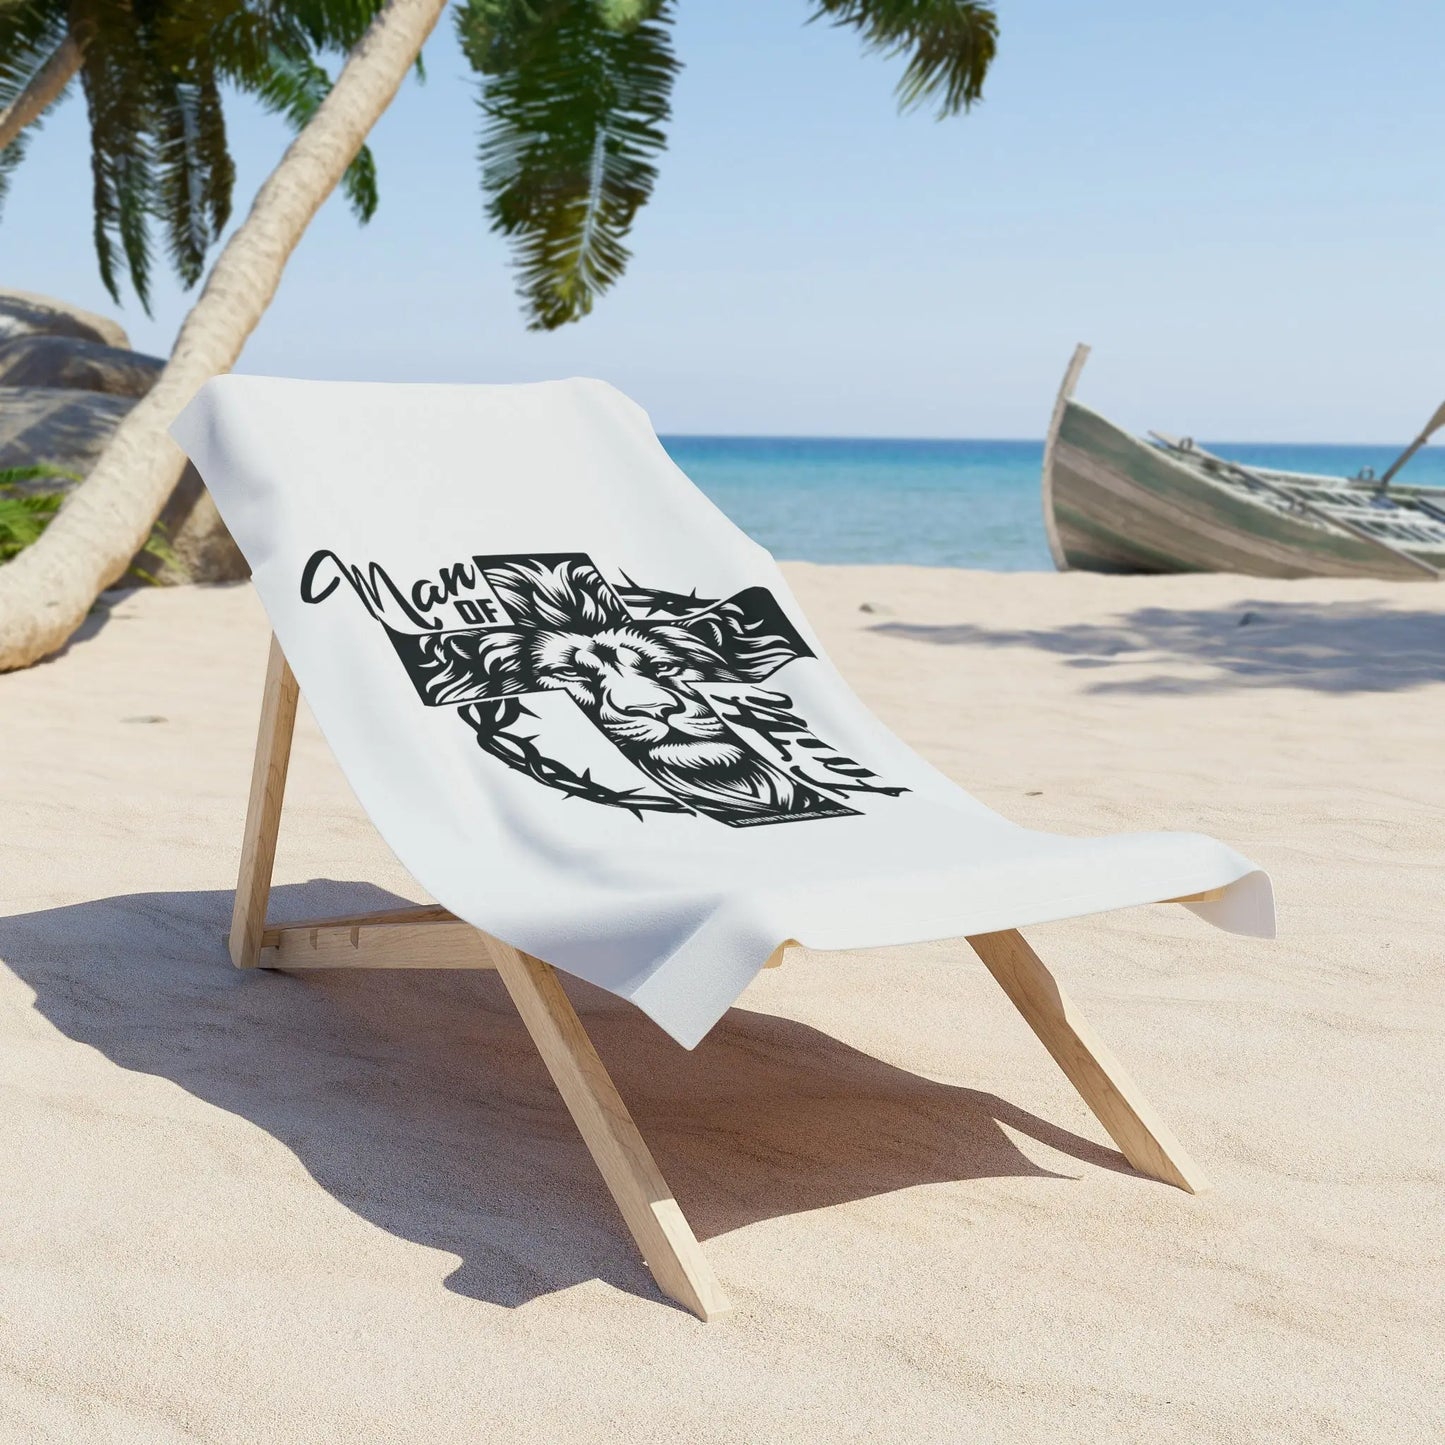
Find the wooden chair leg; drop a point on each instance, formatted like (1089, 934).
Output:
(666, 1239)
(1098, 1076)
(263, 811)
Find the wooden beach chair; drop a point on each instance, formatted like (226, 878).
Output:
(471, 644)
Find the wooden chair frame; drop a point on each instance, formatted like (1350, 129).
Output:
(428, 936)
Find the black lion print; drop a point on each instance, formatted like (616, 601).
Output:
(556, 625)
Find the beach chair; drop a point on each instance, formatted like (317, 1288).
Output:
(587, 715)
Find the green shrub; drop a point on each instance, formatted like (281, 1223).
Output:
(24, 515)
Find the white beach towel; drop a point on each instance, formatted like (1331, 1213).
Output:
(588, 716)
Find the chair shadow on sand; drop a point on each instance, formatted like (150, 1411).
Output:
(1338, 647)
(417, 1100)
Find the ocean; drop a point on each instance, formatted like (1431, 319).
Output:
(932, 503)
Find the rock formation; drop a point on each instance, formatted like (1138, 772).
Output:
(67, 377)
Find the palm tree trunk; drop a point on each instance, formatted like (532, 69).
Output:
(43, 91)
(46, 591)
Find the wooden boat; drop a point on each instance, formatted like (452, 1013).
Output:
(1116, 503)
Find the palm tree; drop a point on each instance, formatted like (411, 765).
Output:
(152, 77)
(574, 97)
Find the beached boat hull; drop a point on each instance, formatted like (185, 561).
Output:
(1114, 503)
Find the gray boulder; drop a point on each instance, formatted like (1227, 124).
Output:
(76, 365)
(67, 377)
(200, 547)
(63, 428)
(23, 313)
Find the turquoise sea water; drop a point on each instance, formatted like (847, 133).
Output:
(932, 503)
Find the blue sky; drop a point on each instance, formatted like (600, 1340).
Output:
(1241, 206)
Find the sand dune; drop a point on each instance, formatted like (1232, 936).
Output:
(349, 1207)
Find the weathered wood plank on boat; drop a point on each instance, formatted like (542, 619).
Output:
(1335, 514)
(1116, 503)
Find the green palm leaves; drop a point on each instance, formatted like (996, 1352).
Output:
(574, 97)
(950, 44)
(31, 36)
(152, 72)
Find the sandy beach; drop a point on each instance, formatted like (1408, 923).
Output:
(350, 1206)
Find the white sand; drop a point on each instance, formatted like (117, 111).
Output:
(349, 1207)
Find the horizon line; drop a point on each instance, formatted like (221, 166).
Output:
(1011, 441)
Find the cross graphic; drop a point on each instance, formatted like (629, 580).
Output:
(633, 660)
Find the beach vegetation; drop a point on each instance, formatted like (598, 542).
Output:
(24, 514)
(26, 511)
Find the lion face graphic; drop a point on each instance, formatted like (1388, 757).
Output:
(636, 683)
(635, 661)
(634, 687)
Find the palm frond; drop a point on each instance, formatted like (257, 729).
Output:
(118, 84)
(293, 85)
(29, 35)
(10, 158)
(269, 51)
(22, 519)
(334, 24)
(194, 171)
(241, 39)
(950, 44)
(620, 14)
(574, 97)
(25, 514)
